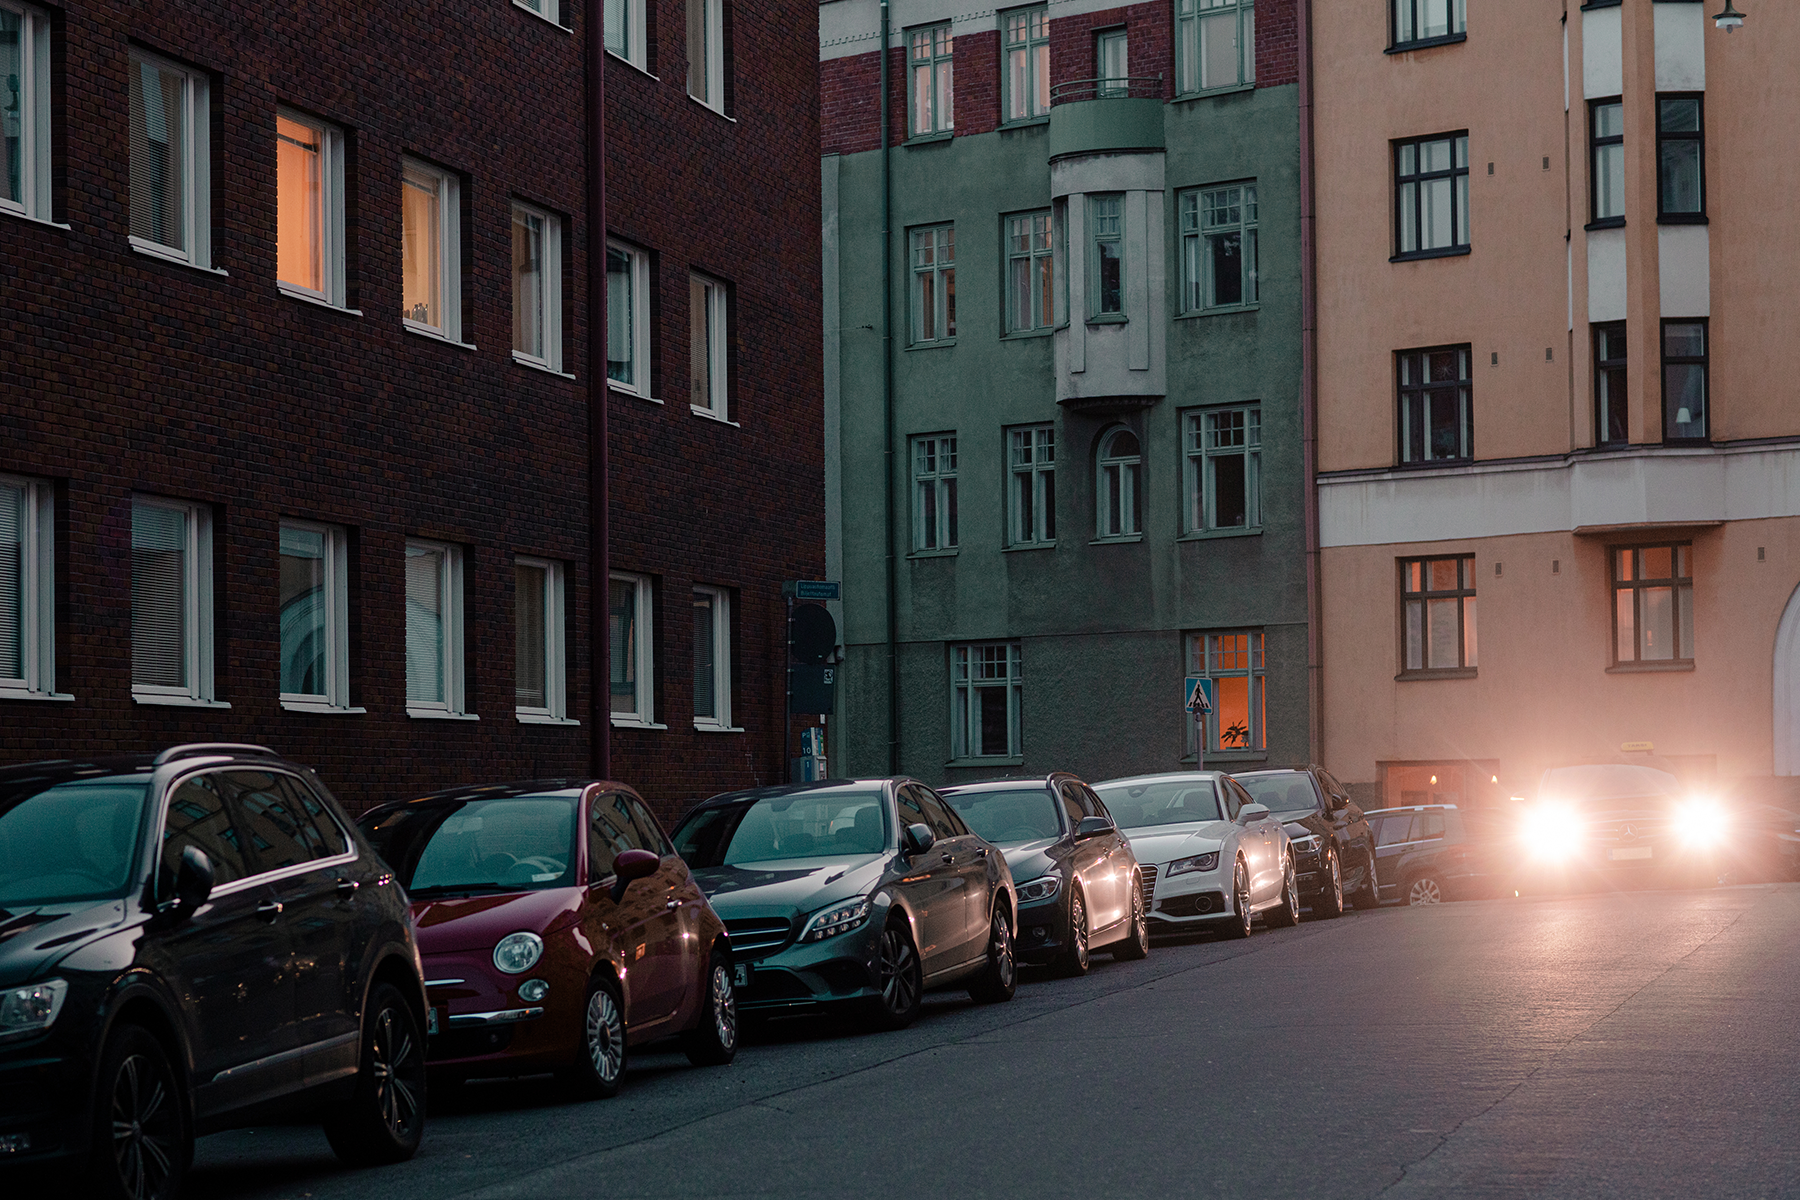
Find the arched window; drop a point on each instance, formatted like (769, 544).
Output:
(1118, 503)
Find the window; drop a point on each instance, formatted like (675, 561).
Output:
(712, 658)
(1215, 44)
(628, 624)
(985, 697)
(1118, 497)
(315, 616)
(170, 213)
(1030, 273)
(706, 347)
(1106, 218)
(1653, 604)
(934, 492)
(551, 11)
(537, 287)
(171, 602)
(1112, 63)
(27, 588)
(540, 693)
(930, 79)
(309, 184)
(1611, 416)
(1026, 34)
(1031, 492)
(1437, 601)
(1218, 248)
(1606, 140)
(934, 284)
(1436, 424)
(628, 319)
(1428, 21)
(626, 32)
(1684, 381)
(1234, 662)
(1680, 159)
(1431, 195)
(25, 111)
(1224, 469)
(430, 249)
(706, 52)
(434, 630)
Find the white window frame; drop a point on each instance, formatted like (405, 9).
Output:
(37, 593)
(1031, 465)
(336, 697)
(720, 721)
(1028, 242)
(417, 173)
(450, 587)
(1131, 484)
(197, 617)
(1201, 507)
(643, 715)
(639, 333)
(931, 80)
(550, 287)
(34, 115)
(331, 216)
(713, 296)
(634, 48)
(549, 10)
(711, 16)
(555, 710)
(196, 166)
(940, 481)
(964, 688)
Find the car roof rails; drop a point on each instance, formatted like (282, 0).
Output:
(200, 749)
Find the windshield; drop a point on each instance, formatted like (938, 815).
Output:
(1282, 793)
(1178, 802)
(821, 824)
(515, 844)
(71, 841)
(1006, 817)
(1617, 781)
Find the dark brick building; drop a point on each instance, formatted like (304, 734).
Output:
(294, 392)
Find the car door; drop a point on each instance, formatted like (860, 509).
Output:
(928, 887)
(1096, 859)
(964, 860)
(683, 956)
(643, 922)
(1119, 853)
(1262, 842)
(1391, 837)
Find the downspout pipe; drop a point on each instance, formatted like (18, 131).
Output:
(1309, 395)
(599, 548)
(887, 410)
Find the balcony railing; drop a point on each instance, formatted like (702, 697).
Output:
(1136, 87)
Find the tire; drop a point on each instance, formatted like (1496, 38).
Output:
(385, 1117)
(1238, 927)
(1136, 944)
(1286, 915)
(714, 1041)
(600, 1064)
(1075, 959)
(899, 977)
(1425, 888)
(1369, 896)
(142, 1139)
(1329, 902)
(999, 977)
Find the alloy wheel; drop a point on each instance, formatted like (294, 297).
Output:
(1425, 890)
(1337, 881)
(1290, 896)
(1000, 950)
(899, 987)
(606, 1035)
(1240, 897)
(145, 1126)
(1078, 930)
(396, 1064)
(724, 1006)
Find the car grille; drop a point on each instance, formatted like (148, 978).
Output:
(756, 935)
(1194, 905)
(1149, 872)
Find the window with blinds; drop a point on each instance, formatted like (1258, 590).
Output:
(539, 683)
(168, 160)
(12, 583)
(433, 629)
(27, 590)
(171, 600)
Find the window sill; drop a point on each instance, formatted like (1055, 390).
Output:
(1124, 540)
(543, 718)
(294, 293)
(1024, 547)
(715, 727)
(1027, 123)
(1422, 255)
(439, 714)
(1649, 668)
(632, 721)
(933, 344)
(947, 553)
(616, 389)
(710, 415)
(638, 67)
(1108, 319)
(535, 364)
(1681, 219)
(1446, 673)
(1435, 464)
(1449, 39)
(1026, 335)
(1605, 223)
(1000, 760)
(1231, 89)
(717, 112)
(1223, 310)
(1231, 756)
(35, 220)
(426, 331)
(1213, 535)
(12, 693)
(1593, 4)
(926, 139)
(156, 701)
(160, 254)
(322, 707)
(540, 16)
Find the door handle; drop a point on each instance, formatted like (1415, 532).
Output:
(673, 904)
(268, 910)
(346, 888)
(981, 853)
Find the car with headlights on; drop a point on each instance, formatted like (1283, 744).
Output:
(1621, 824)
(194, 941)
(1076, 877)
(1333, 846)
(558, 929)
(1210, 855)
(859, 893)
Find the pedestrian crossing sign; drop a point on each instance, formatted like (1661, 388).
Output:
(1199, 695)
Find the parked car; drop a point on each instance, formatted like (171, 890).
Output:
(558, 928)
(1076, 877)
(190, 942)
(1334, 848)
(1430, 853)
(1620, 825)
(862, 892)
(1211, 856)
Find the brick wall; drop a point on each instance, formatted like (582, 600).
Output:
(977, 81)
(1149, 33)
(1277, 42)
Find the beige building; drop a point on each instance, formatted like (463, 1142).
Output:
(1558, 391)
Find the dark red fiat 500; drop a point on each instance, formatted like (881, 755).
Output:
(557, 927)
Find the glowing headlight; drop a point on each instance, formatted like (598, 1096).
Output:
(1702, 823)
(518, 952)
(1551, 832)
(1200, 862)
(31, 1008)
(1041, 888)
(838, 919)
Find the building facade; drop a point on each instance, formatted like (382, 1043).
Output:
(1559, 450)
(1069, 433)
(296, 418)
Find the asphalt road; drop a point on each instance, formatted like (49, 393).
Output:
(1636, 1045)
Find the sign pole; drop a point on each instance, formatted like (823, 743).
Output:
(787, 703)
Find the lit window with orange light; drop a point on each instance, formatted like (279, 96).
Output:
(1235, 662)
(309, 180)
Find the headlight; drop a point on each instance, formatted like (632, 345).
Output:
(1305, 845)
(31, 1008)
(1551, 832)
(840, 918)
(518, 952)
(1702, 824)
(1041, 888)
(1200, 862)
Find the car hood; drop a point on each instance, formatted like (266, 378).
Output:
(32, 937)
(1028, 860)
(477, 922)
(786, 886)
(1162, 843)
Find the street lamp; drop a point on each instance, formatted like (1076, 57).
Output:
(1729, 18)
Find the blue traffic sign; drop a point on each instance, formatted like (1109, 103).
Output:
(1199, 693)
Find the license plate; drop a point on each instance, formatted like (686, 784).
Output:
(431, 1020)
(740, 974)
(1630, 852)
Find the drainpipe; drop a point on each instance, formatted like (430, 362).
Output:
(887, 411)
(599, 550)
(1309, 396)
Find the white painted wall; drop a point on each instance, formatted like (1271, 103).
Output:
(1606, 274)
(1602, 53)
(1680, 47)
(1684, 270)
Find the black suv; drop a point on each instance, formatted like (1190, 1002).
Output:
(190, 942)
(1333, 845)
(1430, 853)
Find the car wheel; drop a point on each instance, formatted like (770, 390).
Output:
(142, 1142)
(1369, 895)
(999, 978)
(1286, 915)
(900, 978)
(1330, 900)
(1075, 958)
(713, 1042)
(385, 1117)
(1137, 943)
(597, 1070)
(1425, 889)
(1239, 925)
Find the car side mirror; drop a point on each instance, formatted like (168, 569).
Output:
(916, 839)
(1092, 827)
(631, 865)
(1252, 812)
(194, 880)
